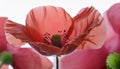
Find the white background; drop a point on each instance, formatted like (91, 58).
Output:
(17, 10)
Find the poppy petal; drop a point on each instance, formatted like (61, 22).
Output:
(26, 58)
(85, 59)
(45, 49)
(47, 20)
(3, 41)
(112, 42)
(16, 32)
(113, 15)
(91, 26)
(89, 31)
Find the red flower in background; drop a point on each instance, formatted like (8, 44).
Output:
(96, 58)
(51, 30)
(23, 58)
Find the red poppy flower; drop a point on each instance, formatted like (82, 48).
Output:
(21, 58)
(51, 30)
(96, 58)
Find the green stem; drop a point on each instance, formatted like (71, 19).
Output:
(57, 62)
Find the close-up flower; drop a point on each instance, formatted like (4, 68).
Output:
(52, 31)
(88, 40)
(59, 34)
(19, 58)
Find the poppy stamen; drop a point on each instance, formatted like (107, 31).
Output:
(47, 38)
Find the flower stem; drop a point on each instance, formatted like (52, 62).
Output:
(57, 62)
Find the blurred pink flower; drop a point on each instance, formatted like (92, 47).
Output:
(96, 59)
(85, 59)
(4, 67)
(112, 18)
(23, 58)
(52, 31)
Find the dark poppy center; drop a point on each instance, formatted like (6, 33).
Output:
(56, 40)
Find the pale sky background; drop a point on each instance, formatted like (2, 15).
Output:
(17, 10)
